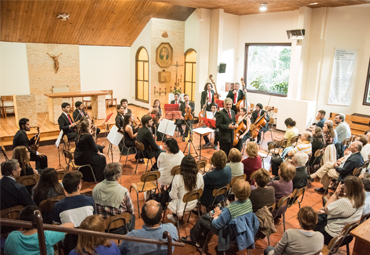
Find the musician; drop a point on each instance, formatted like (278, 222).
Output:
(235, 95)
(21, 139)
(255, 115)
(66, 123)
(207, 96)
(189, 123)
(145, 136)
(206, 139)
(130, 133)
(156, 112)
(246, 134)
(225, 122)
(177, 99)
(124, 104)
(178, 122)
(120, 118)
(79, 113)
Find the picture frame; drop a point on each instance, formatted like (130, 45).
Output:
(164, 76)
(164, 55)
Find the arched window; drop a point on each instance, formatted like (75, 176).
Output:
(190, 73)
(142, 75)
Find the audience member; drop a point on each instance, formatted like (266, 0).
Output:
(366, 182)
(27, 241)
(321, 118)
(283, 186)
(291, 131)
(188, 180)
(300, 241)
(304, 145)
(335, 139)
(343, 130)
(87, 244)
(167, 160)
(219, 177)
(262, 195)
(299, 161)
(340, 211)
(236, 166)
(238, 211)
(153, 229)
(365, 152)
(367, 146)
(47, 187)
(253, 162)
(111, 198)
(329, 134)
(21, 154)
(317, 143)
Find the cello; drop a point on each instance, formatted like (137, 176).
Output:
(240, 129)
(239, 104)
(216, 95)
(259, 123)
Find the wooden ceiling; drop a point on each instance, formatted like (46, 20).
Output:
(245, 7)
(92, 22)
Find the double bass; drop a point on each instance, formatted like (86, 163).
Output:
(239, 104)
(216, 95)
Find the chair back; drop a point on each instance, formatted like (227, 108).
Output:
(12, 212)
(333, 246)
(175, 170)
(47, 205)
(233, 180)
(61, 174)
(202, 164)
(68, 154)
(366, 164)
(273, 145)
(294, 140)
(117, 221)
(150, 176)
(3, 151)
(271, 208)
(282, 205)
(139, 146)
(346, 231)
(29, 180)
(295, 195)
(357, 171)
(318, 154)
(192, 195)
(283, 143)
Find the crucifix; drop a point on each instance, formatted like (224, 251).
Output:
(177, 81)
(56, 62)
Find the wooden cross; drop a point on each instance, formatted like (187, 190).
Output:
(177, 66)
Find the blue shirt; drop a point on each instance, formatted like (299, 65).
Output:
(134, 248)
(18, 243)
(103, 250)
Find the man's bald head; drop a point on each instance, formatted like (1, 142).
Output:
(356, 146)
(151, 213)
(306, 136)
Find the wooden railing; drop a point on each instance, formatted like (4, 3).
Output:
(37, 223)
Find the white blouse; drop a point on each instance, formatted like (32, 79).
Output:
(177, 193)
(165, 163)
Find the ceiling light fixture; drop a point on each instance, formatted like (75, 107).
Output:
(263, 7)
(63, 16)
(313, 3)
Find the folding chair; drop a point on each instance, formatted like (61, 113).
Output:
(127, 150)
(47, 207)
(29, 181)
(117, 221)
(294, 197)
(333, 246)
(140, 150)
(202, 164)
(12, 212)
(219, 192)
(281, 208)
(69, 155)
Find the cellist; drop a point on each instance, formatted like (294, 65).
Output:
(255, 115)
(235, 95)
(207, 96)
(184, 107)
(246, 134)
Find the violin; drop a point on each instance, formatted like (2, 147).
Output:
(35, 146)
(136, 123)
(188, 115)
(216, 96)
(155, 117)
(239, 104)
(240, 129)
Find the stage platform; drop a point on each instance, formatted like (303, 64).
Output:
(50, 131)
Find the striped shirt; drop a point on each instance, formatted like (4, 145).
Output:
(305, 147)
(238, 209)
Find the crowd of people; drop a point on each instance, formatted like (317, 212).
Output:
(252, 191)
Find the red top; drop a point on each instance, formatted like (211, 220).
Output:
(251, 165)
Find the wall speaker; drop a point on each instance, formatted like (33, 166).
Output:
(222, 68)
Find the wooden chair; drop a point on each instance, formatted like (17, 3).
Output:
(140, 151)
(149, 181)
(233, 180)
(117, 221)
(294, 141)
(29, 180)
(218, 192)
(109, 101)
(61, 174)
(7, 103)
(333, 246)
(357, 171)
(47, 207)
(282, 145)
(294, 197)
(175, 170)
(281, 208)
(202, 164)
(3, 151)
(272, 150)
(69, 155)
(127, 150)
(12, 212)
(364, 218)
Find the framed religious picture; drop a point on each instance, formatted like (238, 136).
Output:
(164, 76)
(164, 55)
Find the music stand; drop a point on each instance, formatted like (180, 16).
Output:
(202, 131)
(190, 141)
(114, 137)
(57, 143)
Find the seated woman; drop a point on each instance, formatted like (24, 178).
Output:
(130, 132)
(340, 211)
(291, 132)
(21, 154)
(253, 162)
(283, 186)
(300, 241)
(236, 166)
(262, 195)
(243, 116)
(329, 133)
(316, 144)
(216, 220)
(156, 112)
(167, 160)
(47, 187)
(87, 153)
(188, 180)
(91, 244)
(219, 177)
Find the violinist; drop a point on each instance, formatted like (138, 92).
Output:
(178, 122)
(66, 123)
(130, 132)
(187, 114)
(235, 95)
(225, 122)
(156, 112)
(246, 134)
(79, 113)
(206, 139)
(124, 104)
(207, 96)
(21, 139)
(255, 115)
(120, 118)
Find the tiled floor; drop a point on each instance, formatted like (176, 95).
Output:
(311, 198)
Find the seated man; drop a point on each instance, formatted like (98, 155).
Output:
(178, 122)
(299, 160)
(145, 136)
(341, 168)
(66, 123)
(343, 130)
(153, 229)
(79, 113)
(111, 198)
(321, 118)
(255, 115)
(27, 241)
(124, 104)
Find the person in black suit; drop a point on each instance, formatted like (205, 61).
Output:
(207, 97)
(178, 122)
(189, 123)
(225, 122)
(177, 99)
(86, 152)
(124, 104)
(66, 123)
(206, 139)
(21, 139)
(235, 95)
(120, 118)
(79, 113)
(255, 115)
(145, 136)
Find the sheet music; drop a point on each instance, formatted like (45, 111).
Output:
(209, 115)
(114, 136)
(171, 128)
(57, 142)
(203, 130)
(167, 127)
(163, 125)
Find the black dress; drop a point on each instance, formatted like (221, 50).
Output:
(86, 153)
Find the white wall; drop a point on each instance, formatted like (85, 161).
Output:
(105, 67)
(13, 69)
